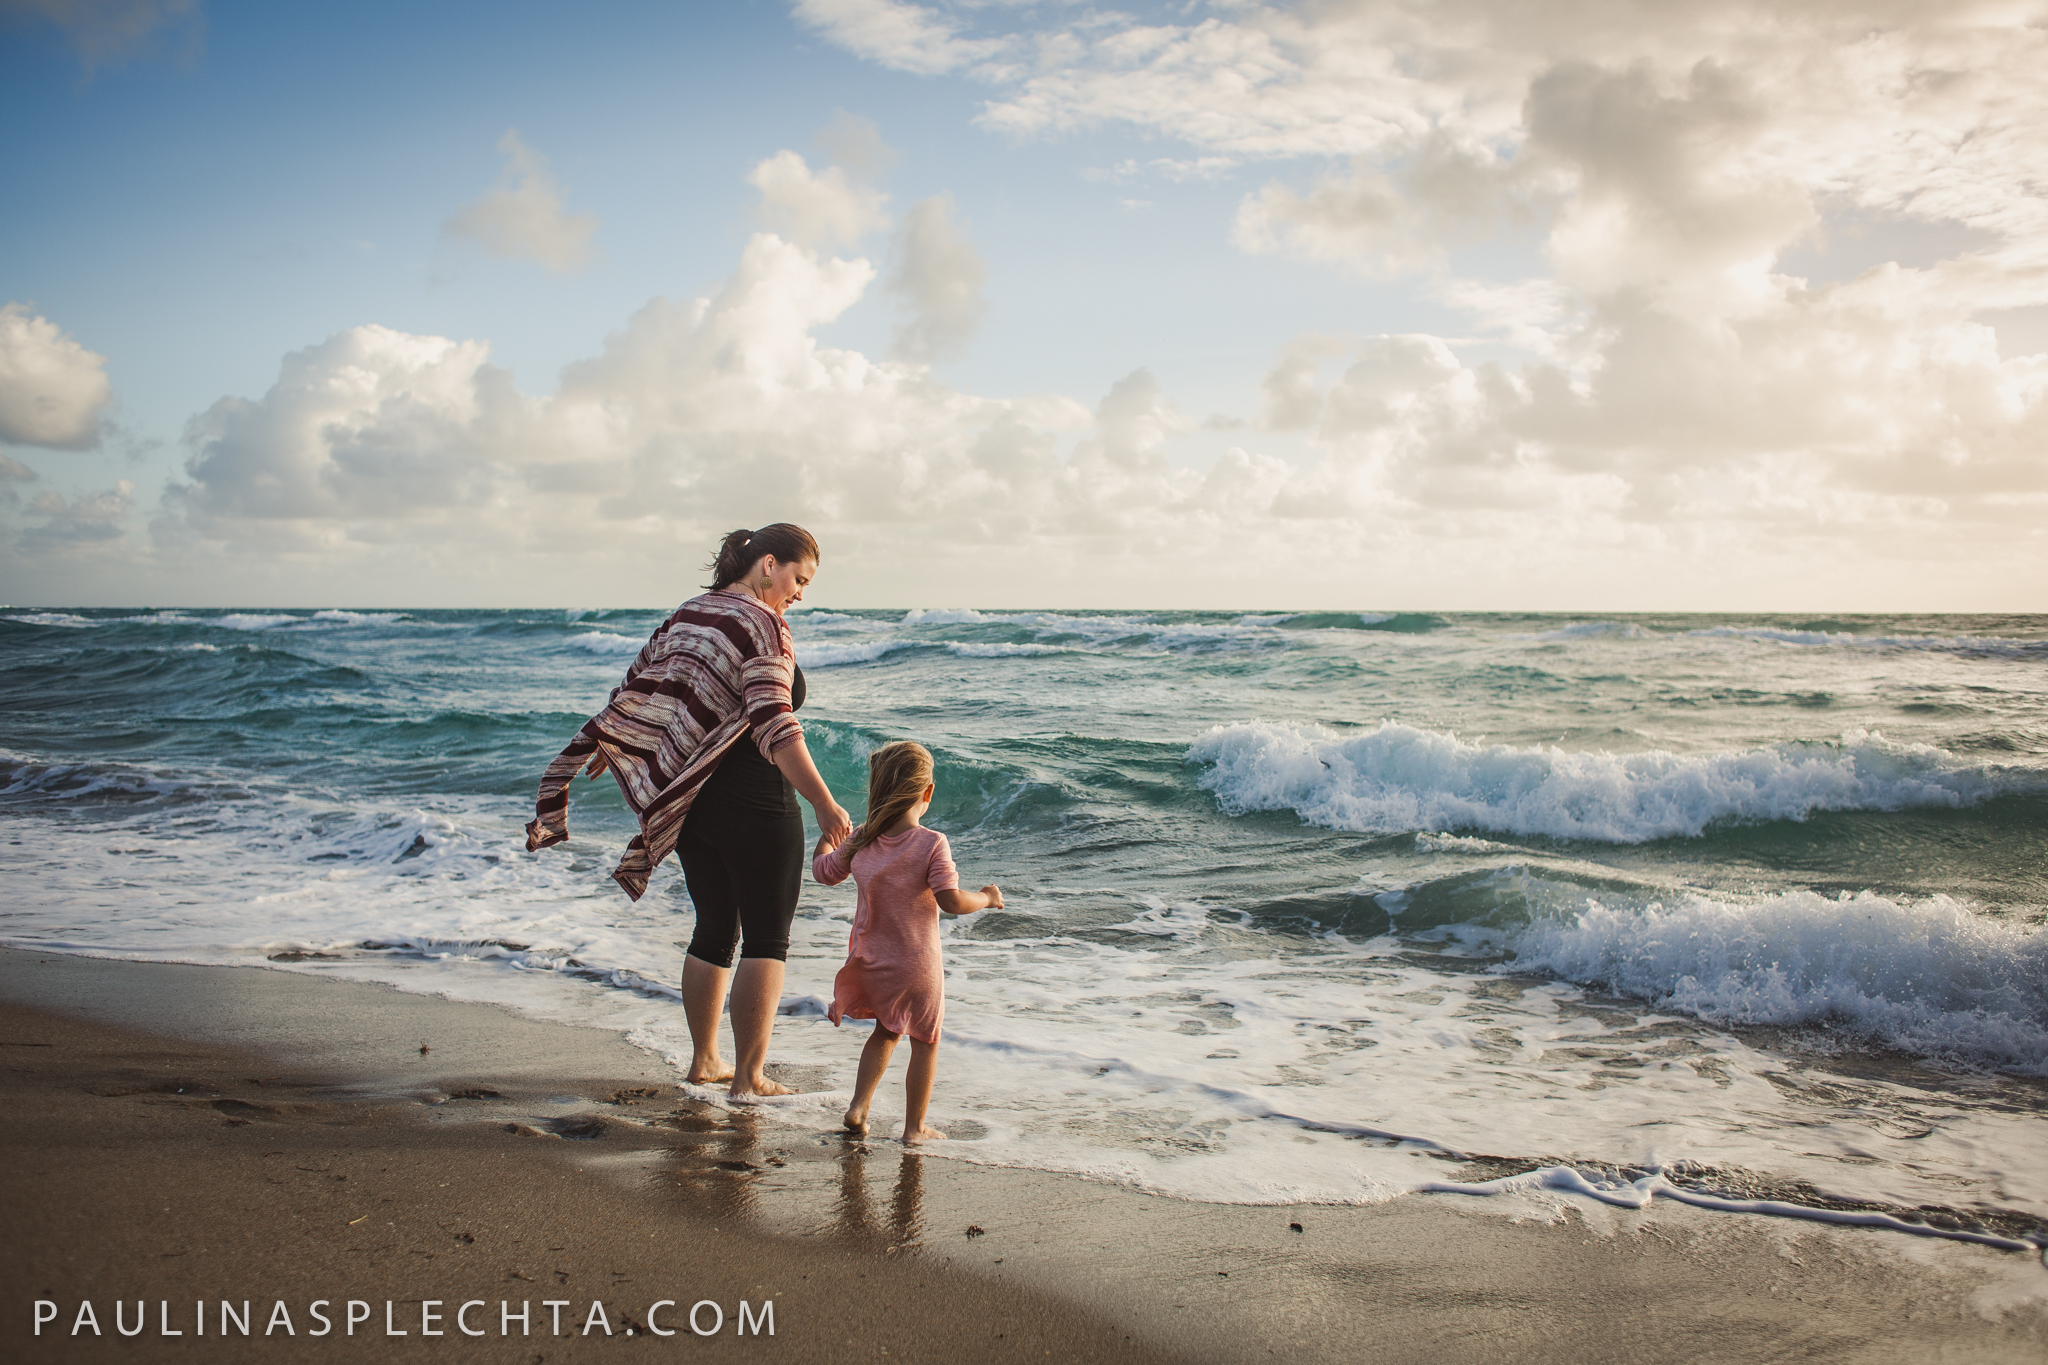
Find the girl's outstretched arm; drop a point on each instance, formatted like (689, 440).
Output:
(990, 897)
(828, 865)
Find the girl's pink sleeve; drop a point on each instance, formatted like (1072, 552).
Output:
(832, 868)
(940, 874)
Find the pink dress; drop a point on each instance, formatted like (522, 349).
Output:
(893, 974)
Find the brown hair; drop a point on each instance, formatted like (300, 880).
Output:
(738, 551)
(897, 776)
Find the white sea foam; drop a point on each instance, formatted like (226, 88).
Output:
(1192, 1056)
(1926, 976)
(828, 654)
(805, 618)
(836, 654)
(1375, 618)
(1217, 638)
(22, 773)
(236, 620)
(1130, 631)
(1582, 630)
(360, 618)
(1398, 778)
(1001, 651)
(1093, 628)
(944, 616)
(605, 642)
(1459, 843)
(1962, 644)
(51, 618)
(1136, 632)
(1639, 1193)
(1165, 1033)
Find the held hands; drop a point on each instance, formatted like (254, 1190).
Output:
(834, 827)
(994, 895)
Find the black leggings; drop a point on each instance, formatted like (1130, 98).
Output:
(744, 869)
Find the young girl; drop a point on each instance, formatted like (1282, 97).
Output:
(893, 974)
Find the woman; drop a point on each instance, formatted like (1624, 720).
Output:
(703, 740)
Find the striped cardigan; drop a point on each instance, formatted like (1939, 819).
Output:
(719, 666)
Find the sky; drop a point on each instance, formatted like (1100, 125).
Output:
(1566, 305)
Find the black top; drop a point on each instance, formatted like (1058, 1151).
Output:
(743, 780)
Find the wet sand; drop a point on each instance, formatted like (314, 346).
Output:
(181, 1133)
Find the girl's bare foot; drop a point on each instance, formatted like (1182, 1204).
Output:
(758, 1088)
(709, 1072)
(857, 1122)
(924, 1134)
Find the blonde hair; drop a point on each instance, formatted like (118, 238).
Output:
(897, 776)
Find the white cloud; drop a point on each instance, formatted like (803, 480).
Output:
(1173, 168)
(106, 33)
(1527, 313)
(1835, 412)
(1403, 219)
(939, 275)
(1667, 139)
(52, 390)
(1678, 385)
(376, 447)
(370, 426)
(413, 462)
(903, 37)
(375, 436)
(1672, 410)
(13, 472)
(1686, 423)
(1266, 82)
(856, 144)
(1670, 196)
(1925, 111)
(522, 215)
(827, 208)
(92, 519)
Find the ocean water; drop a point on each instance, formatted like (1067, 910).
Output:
(1747, 912)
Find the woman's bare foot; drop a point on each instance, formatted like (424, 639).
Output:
(857, 1122)
(758, 1088)
(924, 1134)
(709, 1072)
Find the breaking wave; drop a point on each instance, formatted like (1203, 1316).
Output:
(1399, 779)
(1923, 976)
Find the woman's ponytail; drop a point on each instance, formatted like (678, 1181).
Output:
(740, 549)
(729, 565)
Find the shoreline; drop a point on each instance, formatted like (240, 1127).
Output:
(227, 1132)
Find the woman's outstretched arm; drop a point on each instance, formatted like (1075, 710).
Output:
(794, 759)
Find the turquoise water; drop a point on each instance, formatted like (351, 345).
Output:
(1323, 906)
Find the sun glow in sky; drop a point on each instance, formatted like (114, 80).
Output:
(1552, 304)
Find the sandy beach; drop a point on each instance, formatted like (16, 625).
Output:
(197, 1133)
